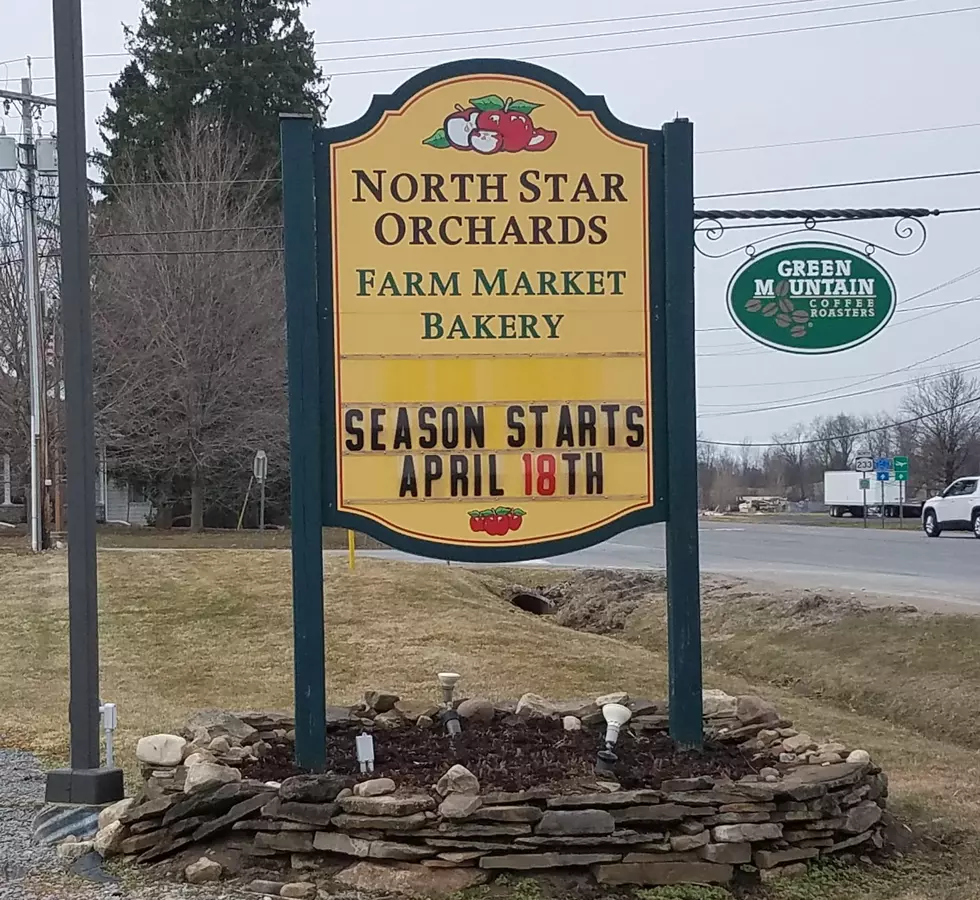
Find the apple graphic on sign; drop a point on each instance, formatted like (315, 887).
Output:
(492, 124)
(514, 128)
(541, 139)
(487, 141)
(460, 125)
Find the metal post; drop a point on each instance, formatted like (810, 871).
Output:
(683, 571)
(302, 334)
(864, 491)
(31, 294)
(7, 501)
(901, 504)
(883, 504)
(85, 782)
(262, 506)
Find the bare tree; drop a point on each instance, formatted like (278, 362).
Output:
(949, 424)
(188, 320)
(794, 453)
(835, 440)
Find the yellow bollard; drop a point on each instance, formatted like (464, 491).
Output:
(350, 549)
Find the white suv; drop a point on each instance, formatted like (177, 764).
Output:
(955, 509)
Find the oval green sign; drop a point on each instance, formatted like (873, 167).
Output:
(811, 298)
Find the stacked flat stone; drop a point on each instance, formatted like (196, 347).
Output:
(822, 799)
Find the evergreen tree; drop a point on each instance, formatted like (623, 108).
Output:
(242, 61)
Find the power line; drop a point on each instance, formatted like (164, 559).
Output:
(835, 140)
(800, 381)
(840, 184)
(836, 396)
(855, 434)
(502, 29)
(580, 37)
(677, 43)
(573, 37)
(784, 404)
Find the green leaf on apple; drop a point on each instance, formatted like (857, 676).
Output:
(474, 514)
(486, 513)
(518, 512)
(502, 510)
(523, 106)
(437, 139)
(491, 101)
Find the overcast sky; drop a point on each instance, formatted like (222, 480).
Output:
(887, 76)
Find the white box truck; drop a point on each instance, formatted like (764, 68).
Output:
(842, 495)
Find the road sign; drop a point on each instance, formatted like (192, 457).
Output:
(901, 476)
(883, 476)
(864, 464)
(260, 466)
(811, 298)
(864, 484)
(883, 465)
(900, 464)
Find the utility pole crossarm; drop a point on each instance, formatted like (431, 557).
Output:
(28, 98)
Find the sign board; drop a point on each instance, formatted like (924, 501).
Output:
(481, 276)
(883, 475)
(490, 372)
(811, 298)
(883, 465)
(900, 464)
(864, 464)
(260, 466)
(864, 484)
(901, 476)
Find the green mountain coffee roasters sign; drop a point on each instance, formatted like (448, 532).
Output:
(811, 298)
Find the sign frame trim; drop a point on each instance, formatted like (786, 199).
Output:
(382, 104)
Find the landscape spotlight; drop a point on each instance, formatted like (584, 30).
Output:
(365, 752)
(616, 717)
(448, 682)
(451, 720)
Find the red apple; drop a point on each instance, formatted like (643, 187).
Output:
(515, 128)
(486, 141)
(541, 139)
(460, 126)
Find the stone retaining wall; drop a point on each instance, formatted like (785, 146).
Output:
(197, 813)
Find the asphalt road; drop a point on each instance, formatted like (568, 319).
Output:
(944, 572)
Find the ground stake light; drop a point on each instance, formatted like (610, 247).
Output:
(365, 752)
(616, 717)
(448, 682)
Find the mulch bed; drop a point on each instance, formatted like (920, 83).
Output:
(510, 757)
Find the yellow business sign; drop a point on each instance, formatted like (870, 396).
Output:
(492, 327)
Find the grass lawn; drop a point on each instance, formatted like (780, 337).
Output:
(118, 536)
(185, 629)
(817, 520)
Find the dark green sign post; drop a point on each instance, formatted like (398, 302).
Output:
(422, 176)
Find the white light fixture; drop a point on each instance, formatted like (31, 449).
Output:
(110, 721)
(448, 682)
(616, 717)
(365, 752)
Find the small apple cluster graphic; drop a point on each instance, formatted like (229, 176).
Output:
(492, 125)
(497, 521)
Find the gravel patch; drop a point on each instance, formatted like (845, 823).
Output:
(21, 797)
(29, 871)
